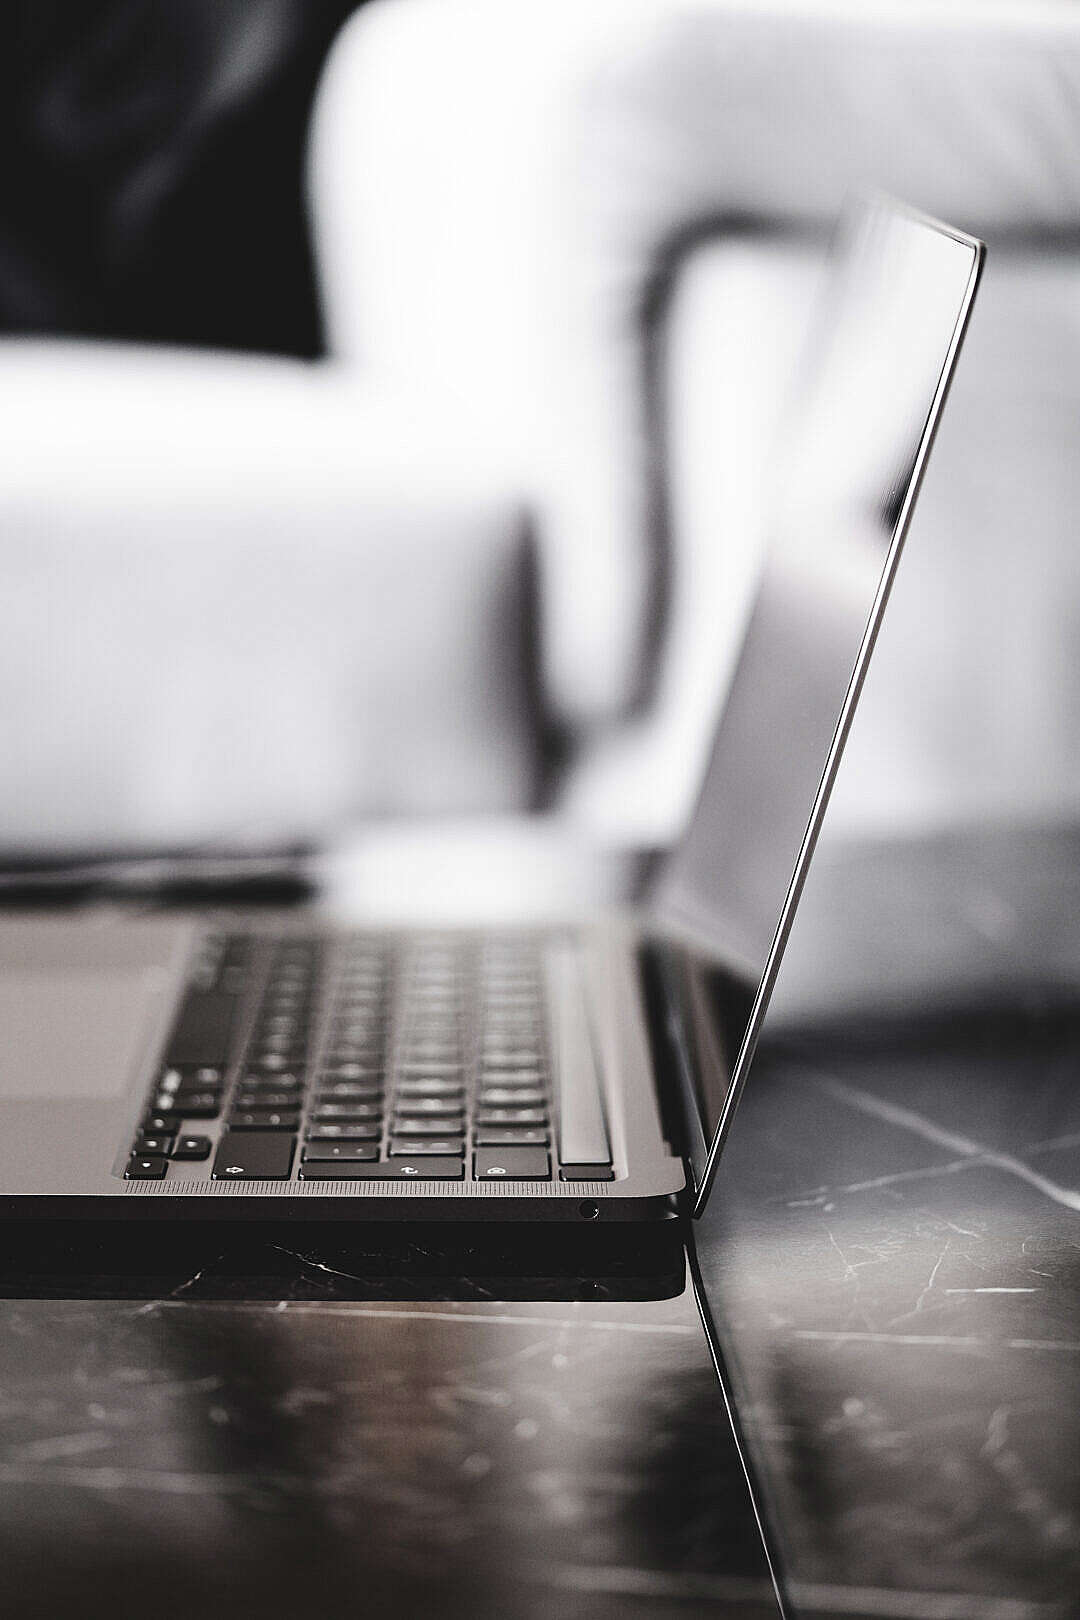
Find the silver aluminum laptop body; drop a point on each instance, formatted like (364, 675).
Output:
(144, 1064)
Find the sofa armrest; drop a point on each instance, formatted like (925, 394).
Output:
(500, 192)
(443, 150)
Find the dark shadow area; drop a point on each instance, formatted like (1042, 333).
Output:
(158, 192)
(309, 1261)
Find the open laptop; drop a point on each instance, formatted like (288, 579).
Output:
(229, 1065)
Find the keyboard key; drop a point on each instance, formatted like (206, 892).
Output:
(292, 1050)
(429, 1088)
(264, 1119)
(512, 1136)
(511, 1077)
(346, 1151)
(348, 1091)
(275, 1056)
(426, 1107)
(192, 1147)
(265, 1099)
(512, 1164)
(587, 1172)
(145, 1167)
(233, 979)
(288, 1080)
(198, 1105)
(202, 1033)
(359, 1061)
(327, 1112)
(358, 1131)
(420, 1070)
(282, 1040)
(411, 1146)
(253, 1156)
(498, 1096)
(159, 1142)
(159, 1123)
(582, 1130)
(281, 1043)
(198, 1088)
(511, 1116)
(428, 1127)
(415, 1169)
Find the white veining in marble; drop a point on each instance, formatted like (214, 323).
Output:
(907, 1119)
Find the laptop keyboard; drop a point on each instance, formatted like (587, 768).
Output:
(359, 1058)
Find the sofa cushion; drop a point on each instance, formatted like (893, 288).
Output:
(242, 600)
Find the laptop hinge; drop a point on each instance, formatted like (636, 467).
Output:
(672, 1049)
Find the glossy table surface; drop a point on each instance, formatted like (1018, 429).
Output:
(893, 1257)
(297, 1424)
(272, 1433)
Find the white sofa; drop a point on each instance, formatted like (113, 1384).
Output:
(553, 241)
(529, 184)
(243, 600)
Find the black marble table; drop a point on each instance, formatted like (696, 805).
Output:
(320, 1449)
(890, 1268)
(892, 1260)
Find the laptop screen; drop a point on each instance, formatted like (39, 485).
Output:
(858, 431)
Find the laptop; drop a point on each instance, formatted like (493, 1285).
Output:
(226, 1064)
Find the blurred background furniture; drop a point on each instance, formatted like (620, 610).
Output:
(244, 595)
(492, 549)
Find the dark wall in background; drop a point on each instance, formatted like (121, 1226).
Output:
(152, 161)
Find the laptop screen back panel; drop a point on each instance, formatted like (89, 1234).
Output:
(859, 432)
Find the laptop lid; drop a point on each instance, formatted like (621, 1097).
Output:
(859, 430)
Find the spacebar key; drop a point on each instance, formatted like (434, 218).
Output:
(418, 1169)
